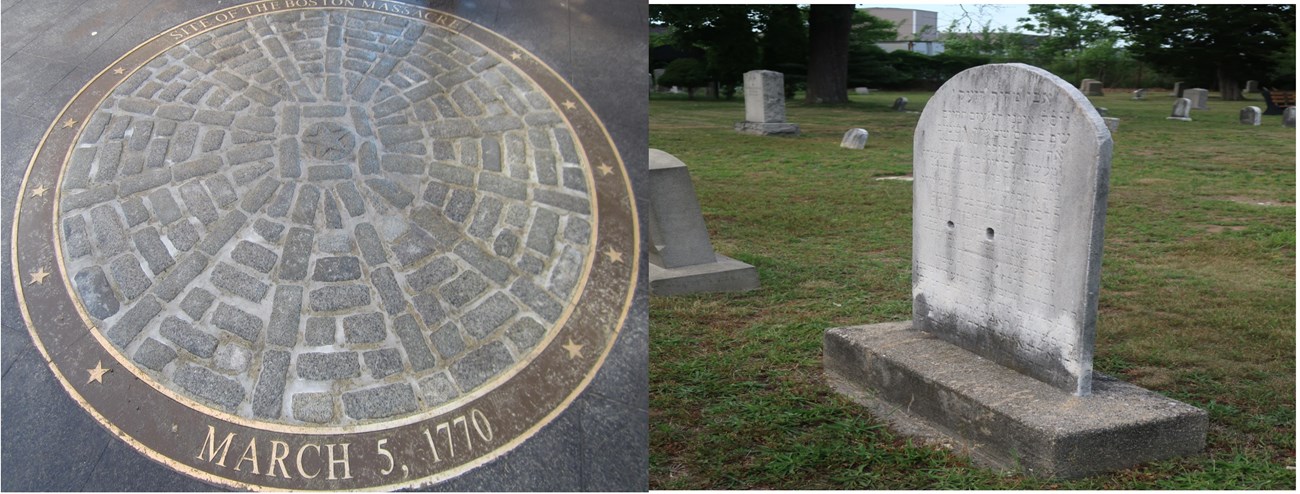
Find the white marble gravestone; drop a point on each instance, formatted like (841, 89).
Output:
(1112, 123)
(861, 90)
(1252, 86)
(765, 105)
(1251, 115)
(1200, 98)
(1009, 201)
(1182, 110)
(682, 259)
(1288, 117)
(1094, 89)
(854, 139)
(900, 104)
(1011, 168)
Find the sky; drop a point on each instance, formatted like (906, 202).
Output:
(999, 15)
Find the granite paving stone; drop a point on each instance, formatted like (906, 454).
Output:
(185, 336)
(237, 322)
(254, 256)
(327, 366)
(154, 354)
(380, 402)
(268, 394)
(96, 294)
(339, 297)
(207, 384)
(383, 362)
(364, 328)
(233, 280)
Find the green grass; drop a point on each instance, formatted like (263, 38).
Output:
(1197, 302)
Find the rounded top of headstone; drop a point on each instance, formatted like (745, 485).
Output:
(660, 160)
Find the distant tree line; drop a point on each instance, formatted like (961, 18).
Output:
(1215, 46)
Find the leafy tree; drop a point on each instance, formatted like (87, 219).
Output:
(685, 72)
(1219, 42)
(725, 32)
(828, 61)
(1070, 30)
(783, 42)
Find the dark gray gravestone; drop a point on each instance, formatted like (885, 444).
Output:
(1182, 110)
(1011, 169)
(1251, 115)
(411, 189)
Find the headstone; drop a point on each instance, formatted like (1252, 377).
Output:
(1011, 169)
(854, 139)
(1251, 115)
(1182, 110)
(1103, 111)
(1178, 89)
(1094, 89)
(1288, 117)
(1112, 124)
(861, 90)
(1140, 94)
(682, 259)
(765, 105)
(1083, 85)
(674, 90)
(900, 104)
(1200, 98)
(1251, 87)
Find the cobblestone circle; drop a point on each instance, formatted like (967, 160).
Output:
(325, 217)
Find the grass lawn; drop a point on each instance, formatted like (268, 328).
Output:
(1198, 297)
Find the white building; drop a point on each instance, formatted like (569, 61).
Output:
(918, 30)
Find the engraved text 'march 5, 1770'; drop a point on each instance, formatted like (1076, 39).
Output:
(1012, 169)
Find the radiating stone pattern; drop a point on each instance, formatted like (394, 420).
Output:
(326, 217)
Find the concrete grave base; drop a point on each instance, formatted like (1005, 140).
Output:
(767, 129)
(1185, 119)
(724, 275)
(931, 389)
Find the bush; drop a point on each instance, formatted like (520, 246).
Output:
(685, 72)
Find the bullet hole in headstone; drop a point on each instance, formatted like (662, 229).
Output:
(950, 224)
(988, 232)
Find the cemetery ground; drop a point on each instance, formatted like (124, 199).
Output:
(1197, 296)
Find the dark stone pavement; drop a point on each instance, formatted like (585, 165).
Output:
(51, 48)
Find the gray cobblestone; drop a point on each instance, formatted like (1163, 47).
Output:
(337, 269)
(185, 336)
(334, 242)
(371, 248)
(389, 292)
(526, 333)
(486, 218)
(364, 328)
(196, 302)
(460, 205)
(328, 172)
(212, 140)
(320, 331)
(180, 277)
(413, 343)
(197, 202)
(577, 230)
(254, 256)
(269, 230)
(248, 173)
(437, 389)
(488, 316)
(352, 201)
(436, 193)
(397, 163)
(304, 209)
(110, 155)
(541, 235)
(279, 207)
(412, 246)
(380, 402)
(182, 146)
(296, 254)
(206, 384)
(164, 206)
(452, 174)
(96, 294)
(76, 241)
(88, 198)
(150, 246)
(289, 161)
(485, 262)
(479, 365)
(463, 289)
(448, 341)
(317, 408)
(286, 312)
(110, 237)
(392, 192)
(333, 219)
(531, 264)
(383, 362)
(326, 366)
(562, 201)
(268, 394)
(258, 195)
(130, 279)
(231, 279)
(237, 322)
(232, 358)
(133, 321)
(222, 191)
(220, 232)
(203, 165)
(332, 298)
(538, 299)
(183, 235)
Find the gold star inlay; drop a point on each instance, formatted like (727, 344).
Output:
(515, 55)
(570, 105)
(38, 276)
(39, 191)
(605, 169)
(69, 123)
(575, 350)
(613, 255)
(119, 71)
(97, 374)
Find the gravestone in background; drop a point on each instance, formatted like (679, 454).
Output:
(1094, 89)
(861, 90)
(1182, 110)
(900, 104)
(1011, 169)
(1083, 85)
(1178, 89)
(1140, 94)
(1252, 86)
(1288, 117)
(682, 259)
(1251, 115)
(1112, 123)
(854, 139)
(1200, 98)
(765, 105)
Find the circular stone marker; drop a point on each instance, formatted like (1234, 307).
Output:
(350, 247)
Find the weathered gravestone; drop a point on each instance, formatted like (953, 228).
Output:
(900, 104)
(1251, 87)
(1103, 111)
(1251, 115)
(1011, 171)
(1200, 98)
(1140, 94)
(861, 90)
(1182, 110)
(682, 259)
(854, 139)
(1112, 123)
(1178, 89)
(1083, 85)
(1288, 117)
(765, 105)
(1094, 89)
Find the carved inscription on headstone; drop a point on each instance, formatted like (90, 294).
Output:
(1012, 170)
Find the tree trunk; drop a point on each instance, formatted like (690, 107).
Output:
(828, 58)
(1228, 88)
